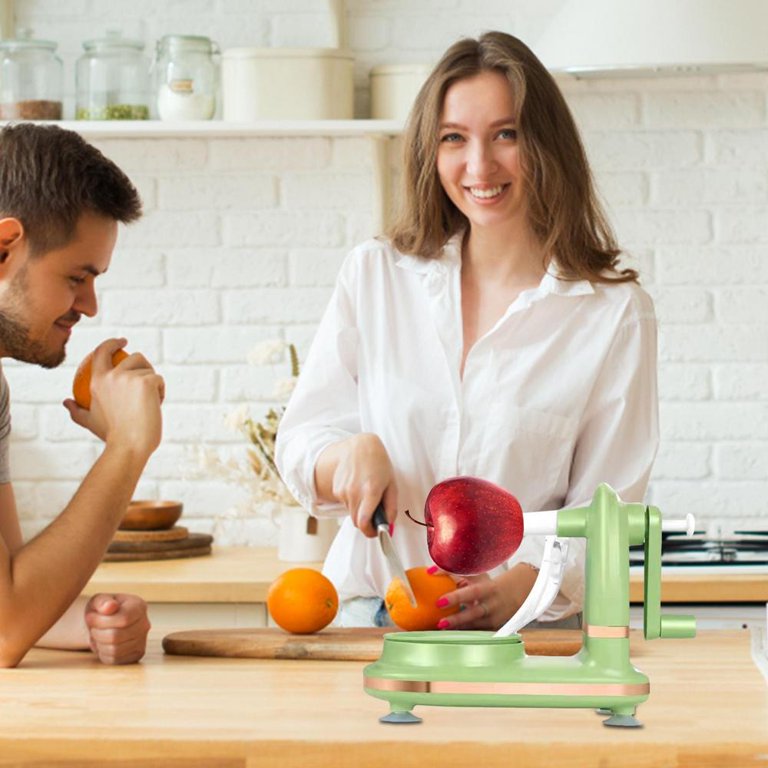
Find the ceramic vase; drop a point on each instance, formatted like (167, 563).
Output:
(301, 537)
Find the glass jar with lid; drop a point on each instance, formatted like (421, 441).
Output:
(31, 78)
(112, 80)
(185, 77)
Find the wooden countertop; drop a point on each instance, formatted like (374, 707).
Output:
(228, 575)
(708, 706)
(729, 587)
(243, 575)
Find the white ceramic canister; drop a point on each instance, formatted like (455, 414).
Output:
(394, 88)
(287, 84)
(303, 538)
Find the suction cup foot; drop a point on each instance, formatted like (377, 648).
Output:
(400, 718)
(603, 711)
(618, 720)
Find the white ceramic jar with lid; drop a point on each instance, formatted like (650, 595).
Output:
(287, 84)
(185, 77)
(30, 79)
(394, 88)
(112, 80)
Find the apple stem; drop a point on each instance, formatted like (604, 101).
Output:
(418, 522)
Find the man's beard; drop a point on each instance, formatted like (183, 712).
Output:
(15, 343)
(14, 335)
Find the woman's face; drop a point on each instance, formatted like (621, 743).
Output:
(478, 159)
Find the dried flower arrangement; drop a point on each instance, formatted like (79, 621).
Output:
(258, 472)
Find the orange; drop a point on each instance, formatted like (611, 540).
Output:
(427, 589)
(81, 386)
(302, 601)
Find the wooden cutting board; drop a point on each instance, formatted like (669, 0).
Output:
(359, 644)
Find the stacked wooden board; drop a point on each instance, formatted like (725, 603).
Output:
(146, 536)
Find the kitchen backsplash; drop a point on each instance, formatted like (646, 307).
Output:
(242, 239)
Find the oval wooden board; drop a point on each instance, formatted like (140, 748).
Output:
(191, 541)
(353, 644)
(169, 554)
(176, 533)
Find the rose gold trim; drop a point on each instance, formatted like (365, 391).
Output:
(398, 686)
(595, 630)
(508, 689)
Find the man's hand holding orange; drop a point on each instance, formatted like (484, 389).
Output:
(125, 397)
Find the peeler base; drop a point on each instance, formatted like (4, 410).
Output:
(623, 721)
(400, 718)
(478, 669)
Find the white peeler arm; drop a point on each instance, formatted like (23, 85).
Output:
(545, 588)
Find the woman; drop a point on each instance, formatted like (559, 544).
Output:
(491, 334)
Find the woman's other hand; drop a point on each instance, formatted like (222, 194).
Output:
(486, 603)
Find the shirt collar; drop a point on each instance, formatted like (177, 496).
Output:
(450, 257)
(551, 283)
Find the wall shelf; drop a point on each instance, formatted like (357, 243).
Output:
(208, 129)
(378, 131)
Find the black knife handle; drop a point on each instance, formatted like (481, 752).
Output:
(379, 516)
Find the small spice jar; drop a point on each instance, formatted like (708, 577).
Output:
(112, 80)
(185, 77)
(30, 80)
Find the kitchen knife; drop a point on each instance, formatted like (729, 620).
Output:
(385, 540)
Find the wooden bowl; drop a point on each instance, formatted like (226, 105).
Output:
(151, 515)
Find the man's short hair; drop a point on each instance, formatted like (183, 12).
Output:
(50, 176)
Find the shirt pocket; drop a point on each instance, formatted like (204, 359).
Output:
(533, 448)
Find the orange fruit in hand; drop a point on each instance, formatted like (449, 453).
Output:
(81, 386)
(302, 601)
(427, 589)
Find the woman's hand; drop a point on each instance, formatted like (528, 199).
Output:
(486, 603)
(358, 473)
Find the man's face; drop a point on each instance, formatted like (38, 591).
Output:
(46, 295)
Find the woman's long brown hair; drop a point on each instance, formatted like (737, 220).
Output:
(563, 209)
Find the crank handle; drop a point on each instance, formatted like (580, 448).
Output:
(685, 525)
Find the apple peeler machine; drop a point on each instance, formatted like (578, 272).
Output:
(487, 669)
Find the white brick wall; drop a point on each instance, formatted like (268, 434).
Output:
(243, 237)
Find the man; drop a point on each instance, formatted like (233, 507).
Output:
(60, 204)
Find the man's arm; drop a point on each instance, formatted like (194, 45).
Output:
(10, 532)
(70, 631)
(114, 627)
(40, 580)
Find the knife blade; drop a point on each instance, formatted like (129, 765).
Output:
(387, 547)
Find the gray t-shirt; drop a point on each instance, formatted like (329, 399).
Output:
(5, 428)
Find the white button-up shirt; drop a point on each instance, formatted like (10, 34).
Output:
(559, 396)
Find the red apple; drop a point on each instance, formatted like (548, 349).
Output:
(472, 525)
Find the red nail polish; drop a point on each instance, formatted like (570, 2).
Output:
(432, 569)
(391, 528)
(442, 602)
(443, 624)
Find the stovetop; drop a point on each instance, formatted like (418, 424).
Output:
(715, 546)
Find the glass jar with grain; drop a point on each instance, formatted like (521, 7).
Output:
(30, 80)
(112, 80)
